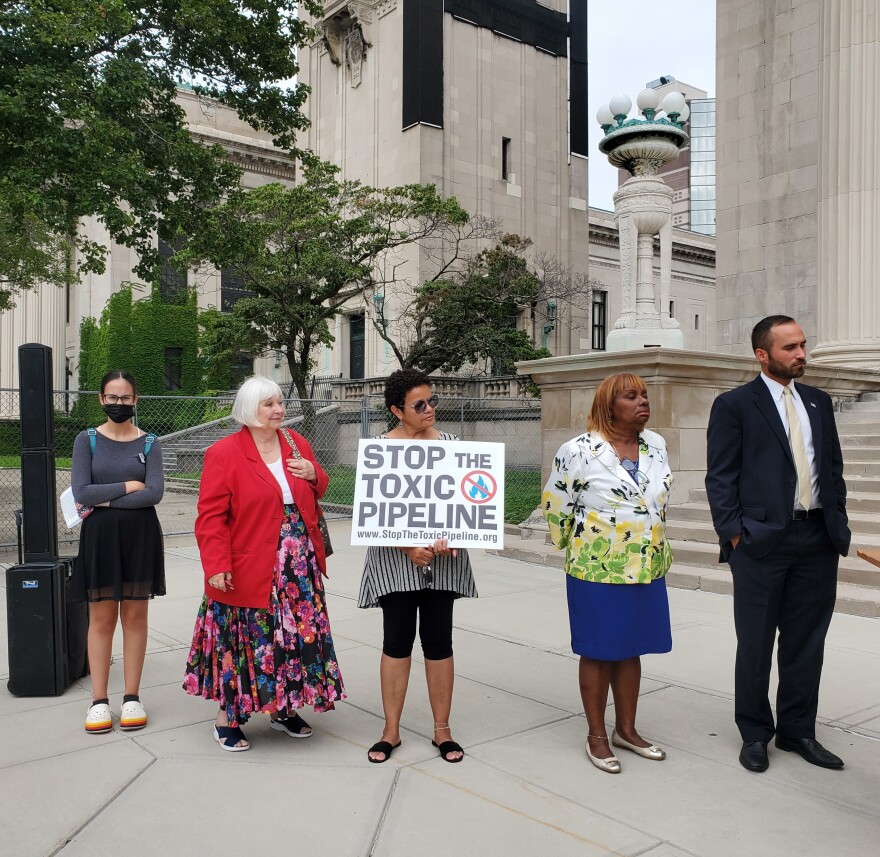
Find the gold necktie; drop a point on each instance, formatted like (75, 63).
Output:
(798, 451)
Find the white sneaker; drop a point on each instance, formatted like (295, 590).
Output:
(132, 715)
(99, 719)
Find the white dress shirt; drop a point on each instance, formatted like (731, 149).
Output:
(776, 391)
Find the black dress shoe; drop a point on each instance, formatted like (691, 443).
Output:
(811, 750)
(753, 756)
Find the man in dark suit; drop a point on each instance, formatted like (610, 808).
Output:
(778, 499)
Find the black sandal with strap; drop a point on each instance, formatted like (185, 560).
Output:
(448, 747)
(292, 725)
(382, 747)
(228, 738)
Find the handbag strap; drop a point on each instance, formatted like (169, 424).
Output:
(291, 442)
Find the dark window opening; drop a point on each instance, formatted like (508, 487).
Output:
(600, 307)
(232, 289)
(696, 322)
(241, 367)
(172, 281)
(505, 158)
(173, 366)
(356, 343)
(672, 309)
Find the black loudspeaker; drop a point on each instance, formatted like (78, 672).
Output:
(47, 617)
(38, 503)
(37, 453)
(35, 385)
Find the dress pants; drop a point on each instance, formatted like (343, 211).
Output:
(792, 589)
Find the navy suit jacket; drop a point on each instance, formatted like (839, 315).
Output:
(750, 474)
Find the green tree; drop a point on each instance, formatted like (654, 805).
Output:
(473, 316)
(304, 252)
(90, 124)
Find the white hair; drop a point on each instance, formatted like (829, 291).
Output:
(249, 396)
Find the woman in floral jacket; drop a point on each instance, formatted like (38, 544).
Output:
(605, 502)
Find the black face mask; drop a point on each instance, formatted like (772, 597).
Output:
(118, 413)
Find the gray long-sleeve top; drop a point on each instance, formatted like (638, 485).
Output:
(101, 478)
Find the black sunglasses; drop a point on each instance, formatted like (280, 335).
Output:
(421, 404)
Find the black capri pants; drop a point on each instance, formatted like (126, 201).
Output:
(434, 609)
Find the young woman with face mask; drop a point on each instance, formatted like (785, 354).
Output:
(120, 546)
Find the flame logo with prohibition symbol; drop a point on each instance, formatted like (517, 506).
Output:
(478, 486)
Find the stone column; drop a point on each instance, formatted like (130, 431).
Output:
(849, 184)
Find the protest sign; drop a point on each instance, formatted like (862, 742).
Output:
(413, 492)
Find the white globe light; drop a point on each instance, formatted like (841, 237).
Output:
(685, 112)
(604, 116)
(648, 99)
(620, 105)
(673, 102)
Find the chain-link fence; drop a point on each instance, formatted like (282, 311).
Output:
(188, 425)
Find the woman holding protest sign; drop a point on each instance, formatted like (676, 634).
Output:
(262, 638)
(605, 502)
(417, 582)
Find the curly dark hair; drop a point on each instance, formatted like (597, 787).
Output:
(399, 383)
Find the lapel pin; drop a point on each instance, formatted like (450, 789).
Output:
(812, 404)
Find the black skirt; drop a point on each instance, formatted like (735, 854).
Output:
(121, 555)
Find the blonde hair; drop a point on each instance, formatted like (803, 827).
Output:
(600, 417)
(247, 400)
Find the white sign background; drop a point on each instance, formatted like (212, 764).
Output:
(410, 493)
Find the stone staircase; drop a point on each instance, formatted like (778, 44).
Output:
(695, 544)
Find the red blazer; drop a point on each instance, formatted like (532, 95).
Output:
(240, 514)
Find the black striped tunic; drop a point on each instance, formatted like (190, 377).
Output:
(389, 569)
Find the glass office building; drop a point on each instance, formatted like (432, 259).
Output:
(702, 165)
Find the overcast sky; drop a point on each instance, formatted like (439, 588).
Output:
(632, 42)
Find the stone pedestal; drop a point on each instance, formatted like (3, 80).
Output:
(642, 209)
(681, 388)
(849, 184)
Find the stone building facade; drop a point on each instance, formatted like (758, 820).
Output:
(472, 97)
(798, 108)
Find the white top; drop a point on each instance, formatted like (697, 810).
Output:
(776, 391)
(277, 470)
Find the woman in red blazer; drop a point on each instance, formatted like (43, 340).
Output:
(262, 639)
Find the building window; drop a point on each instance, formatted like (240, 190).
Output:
(672, 309)
(356, 342)
(172, 281)
(505, 158)
(232, 289)
(173, 363)
(241, 367)
(600, 305)
(696, 322)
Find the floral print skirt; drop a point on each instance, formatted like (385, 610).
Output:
(269, 659)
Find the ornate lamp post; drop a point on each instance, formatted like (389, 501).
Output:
(642, 209)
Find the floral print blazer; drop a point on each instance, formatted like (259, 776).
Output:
(612, 530)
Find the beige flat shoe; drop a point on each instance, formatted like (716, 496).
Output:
(652, 752)
(610, 765)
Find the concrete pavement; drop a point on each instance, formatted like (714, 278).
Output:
(526, 786)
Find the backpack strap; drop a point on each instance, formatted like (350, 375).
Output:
(148, 444)
(93, 434)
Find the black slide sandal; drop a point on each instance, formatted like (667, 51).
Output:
(382, 747)
(448, 747)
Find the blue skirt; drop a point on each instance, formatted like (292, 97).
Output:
(616, 621)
